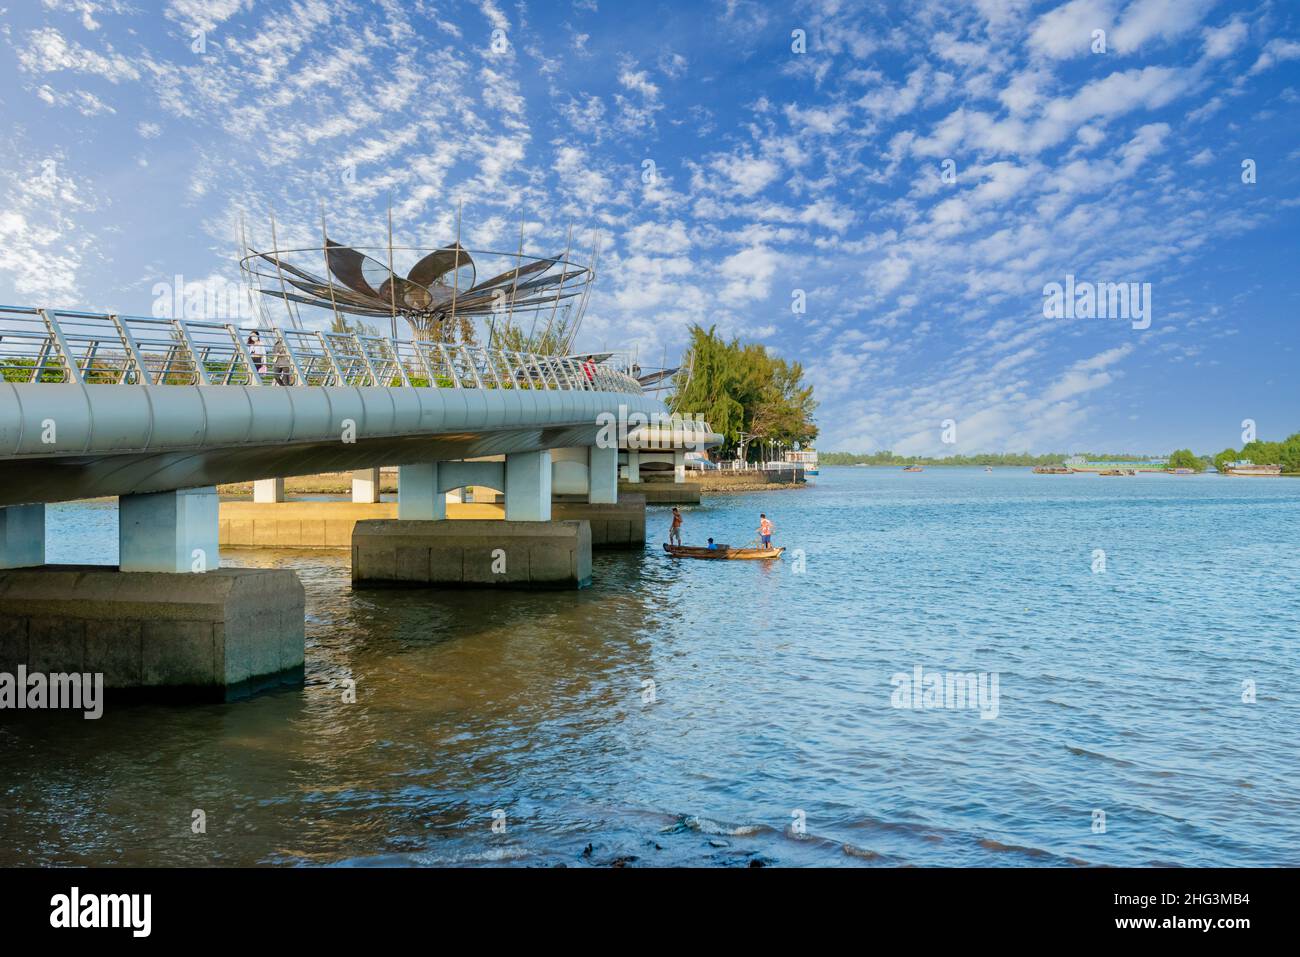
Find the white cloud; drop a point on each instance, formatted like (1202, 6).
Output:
(1275, 52)
(658, 239)
(747, 274)
(48, 52)
(747, 174)
(1066, 31)
(1147, 20)
(1223, 41)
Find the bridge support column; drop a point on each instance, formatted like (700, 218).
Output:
(169, 531)
(602, 475)
(365, 486)
(679, 467)
(418, 498)
(528, 487)
(22, 536)
(268, 491)
(633, 466)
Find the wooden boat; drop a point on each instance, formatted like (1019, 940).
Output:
(1250, 469)
(1052, 470)
(721, 552)
(912, 468)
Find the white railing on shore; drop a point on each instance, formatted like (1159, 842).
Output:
(737, 466)
(46, 345)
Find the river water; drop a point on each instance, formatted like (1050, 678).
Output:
(771, 732)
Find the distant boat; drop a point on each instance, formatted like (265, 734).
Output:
(1052, 470)
(988, 468)
(805, 459)
(912, 468)
(722, 552)
(1182, 471)
(1251, 469)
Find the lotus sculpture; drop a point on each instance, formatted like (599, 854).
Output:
(442, 284)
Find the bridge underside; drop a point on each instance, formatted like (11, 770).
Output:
(67, 478)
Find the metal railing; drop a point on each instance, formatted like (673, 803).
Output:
(48, 345)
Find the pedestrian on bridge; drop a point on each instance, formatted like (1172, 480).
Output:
(257, 352)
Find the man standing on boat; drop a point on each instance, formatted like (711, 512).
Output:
(675, 533)
(765, 530)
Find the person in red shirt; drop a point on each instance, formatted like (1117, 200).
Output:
(675, 533)
(765, 530)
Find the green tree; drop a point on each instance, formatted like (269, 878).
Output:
(1186, 459)
(1263, 453)
(1290, 458)
(341, 325)
(537, 340)
(1225, 458)
(743, 392)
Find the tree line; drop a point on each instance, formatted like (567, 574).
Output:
(1285, 453)
(984, 458)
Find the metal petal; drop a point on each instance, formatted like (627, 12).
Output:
(510, 274)
(433, 267)
(346, 263)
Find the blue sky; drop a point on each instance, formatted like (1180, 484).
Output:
(129, 156)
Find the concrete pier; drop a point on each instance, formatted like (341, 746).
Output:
(365, 486)
(418, 496)
(484, 553)
(168, 531)
(528, 487)
(268, 491)
(22, 536)
(602, 475)
(211, 637)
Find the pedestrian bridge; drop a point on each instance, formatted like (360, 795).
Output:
(159, 412)
(99, 405)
